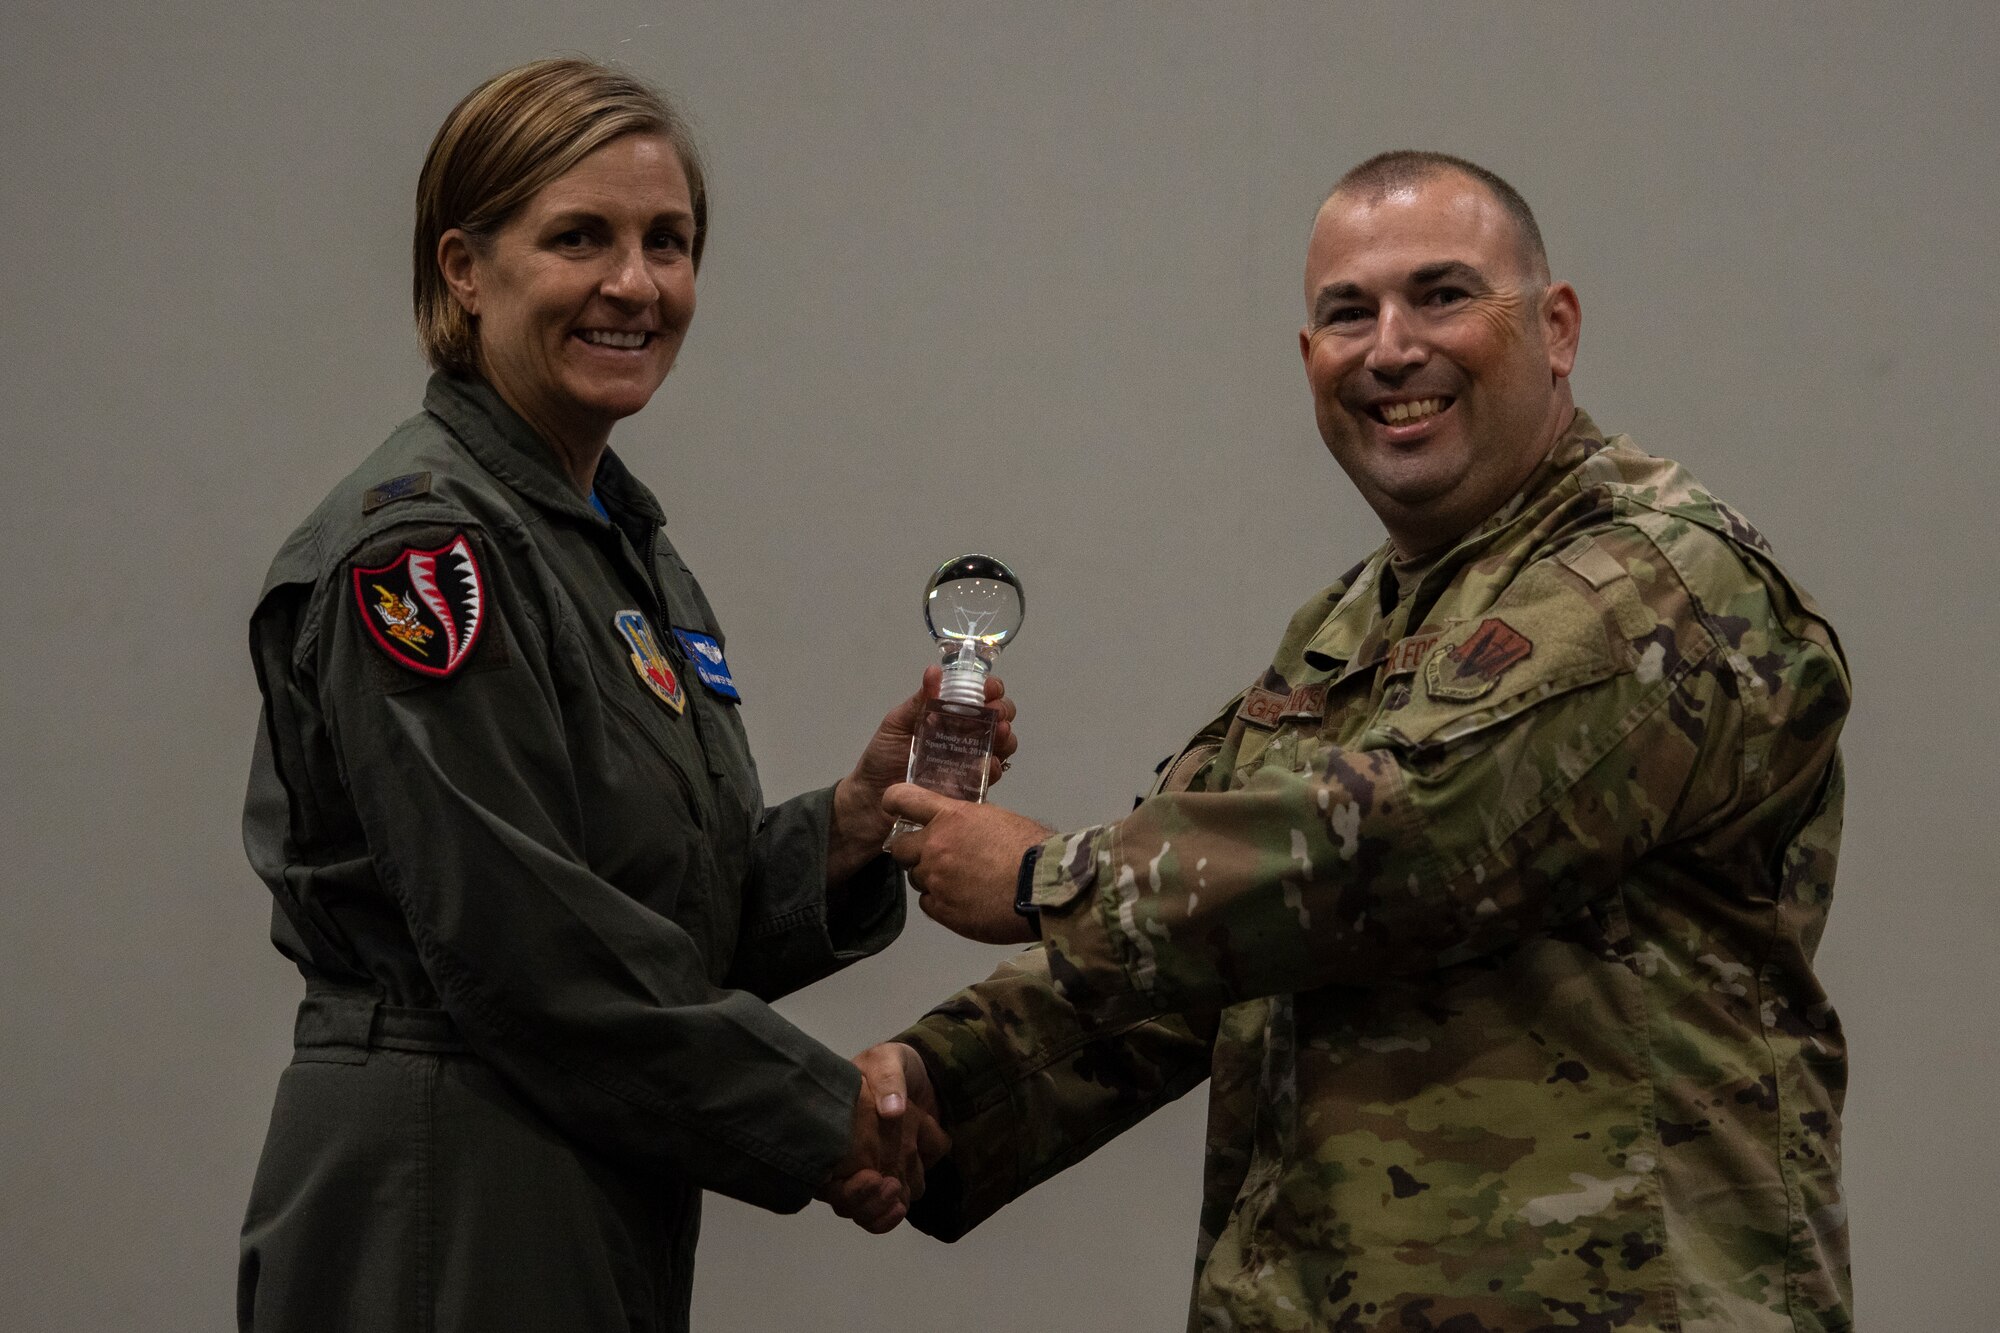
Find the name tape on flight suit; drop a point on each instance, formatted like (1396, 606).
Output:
(709, 663)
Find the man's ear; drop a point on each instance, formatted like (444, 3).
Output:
(1562, 326)
(459, 267)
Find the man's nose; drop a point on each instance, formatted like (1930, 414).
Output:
(1398, 347)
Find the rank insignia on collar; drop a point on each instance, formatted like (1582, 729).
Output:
(1474, 662)
(406, 487)
(647, 659)
(425, 609)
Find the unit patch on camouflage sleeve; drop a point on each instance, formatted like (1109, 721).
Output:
(425, 608)
(1474, 662)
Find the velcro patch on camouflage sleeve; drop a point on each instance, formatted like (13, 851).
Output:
(1067, 869)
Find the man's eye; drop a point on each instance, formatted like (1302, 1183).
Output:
(1343, 315)
(1446, 296)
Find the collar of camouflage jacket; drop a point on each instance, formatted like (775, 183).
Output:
(1352, 639)
(508, 447)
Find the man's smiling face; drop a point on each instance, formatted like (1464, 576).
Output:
(1437, 350)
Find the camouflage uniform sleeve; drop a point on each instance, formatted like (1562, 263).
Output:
(1491, 806)
(1027, 1087)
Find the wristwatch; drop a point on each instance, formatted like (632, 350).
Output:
(1024, 889)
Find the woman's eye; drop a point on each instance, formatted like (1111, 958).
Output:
(574, 239)
(669, 240)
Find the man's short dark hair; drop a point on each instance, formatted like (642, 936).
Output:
(1411, 166)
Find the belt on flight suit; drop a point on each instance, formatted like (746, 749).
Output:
(343, 1023)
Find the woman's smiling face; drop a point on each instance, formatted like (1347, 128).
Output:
(583, 296)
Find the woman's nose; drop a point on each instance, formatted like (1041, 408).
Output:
(630, 282)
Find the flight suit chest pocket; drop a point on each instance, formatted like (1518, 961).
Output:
(650, 815)
(648, 710)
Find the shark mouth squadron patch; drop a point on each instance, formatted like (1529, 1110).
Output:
(425, 608)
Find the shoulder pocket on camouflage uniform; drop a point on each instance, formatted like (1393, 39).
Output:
(1186, 770)
(1548, 636)
(1180, 775)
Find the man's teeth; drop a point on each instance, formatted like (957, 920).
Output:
(1398, 413)
(606, 338)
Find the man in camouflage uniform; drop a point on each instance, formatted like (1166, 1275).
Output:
(1489, 909)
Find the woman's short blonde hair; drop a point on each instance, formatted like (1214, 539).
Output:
(511, 136)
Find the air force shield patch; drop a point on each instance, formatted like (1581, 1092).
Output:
(425, 608)
(655, 672)
(1472, 662)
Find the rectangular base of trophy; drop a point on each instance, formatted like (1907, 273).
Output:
(949, 754)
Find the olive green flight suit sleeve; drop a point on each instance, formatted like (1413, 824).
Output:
(1479, 813)
(798, 929)
(598, 1010)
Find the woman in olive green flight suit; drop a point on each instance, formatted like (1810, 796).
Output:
(504, 801)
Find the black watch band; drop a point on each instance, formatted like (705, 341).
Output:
(1024, 889)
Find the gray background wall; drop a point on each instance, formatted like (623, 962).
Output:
(1013, 277)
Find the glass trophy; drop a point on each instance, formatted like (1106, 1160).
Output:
(973, 607)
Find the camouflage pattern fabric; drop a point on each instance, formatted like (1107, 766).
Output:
(1489, 911)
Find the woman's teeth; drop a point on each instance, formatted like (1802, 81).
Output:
(1398, 414)
(606, 338)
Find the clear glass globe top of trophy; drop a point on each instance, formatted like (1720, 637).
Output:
(973, 607)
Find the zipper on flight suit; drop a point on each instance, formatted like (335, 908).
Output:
(705, 816)
(671, 645)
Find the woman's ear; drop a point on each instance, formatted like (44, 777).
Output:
(459, 266)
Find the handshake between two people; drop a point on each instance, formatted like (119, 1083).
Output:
(964, 862)
(896, 1140)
